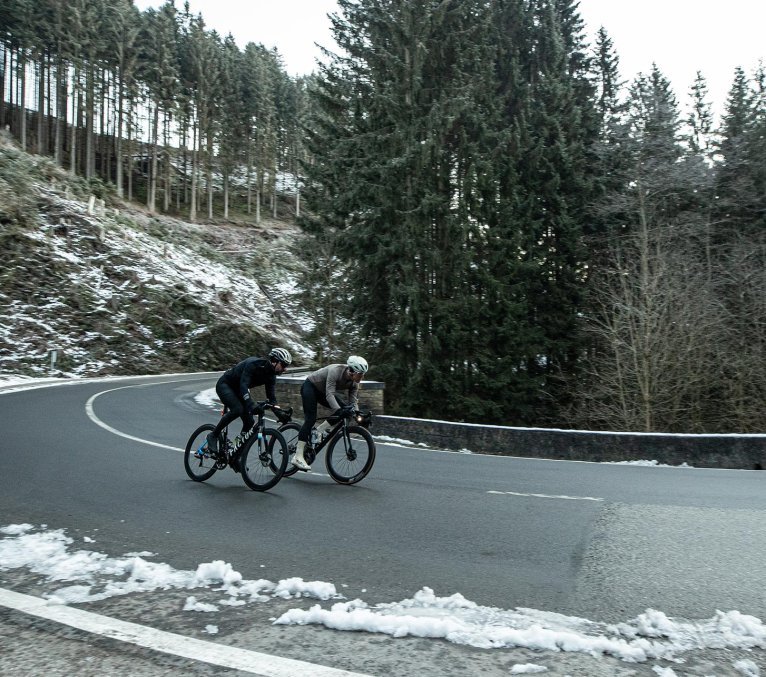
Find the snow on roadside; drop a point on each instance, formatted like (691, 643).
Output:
(89, 576)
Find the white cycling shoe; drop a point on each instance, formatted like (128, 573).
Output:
(301, 463)
(298, 460)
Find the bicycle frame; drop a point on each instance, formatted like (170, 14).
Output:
(332, 433)
(258, 427)
(329, 436)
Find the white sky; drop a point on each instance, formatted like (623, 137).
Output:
(75, 572)
(681, 36)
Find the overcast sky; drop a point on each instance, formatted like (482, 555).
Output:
(681, 36)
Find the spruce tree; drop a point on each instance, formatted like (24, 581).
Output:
(555, 189)
(392, 142)
(739, 209)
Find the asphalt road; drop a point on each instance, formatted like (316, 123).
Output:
(599, 541)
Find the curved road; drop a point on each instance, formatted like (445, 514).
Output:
(603, 542)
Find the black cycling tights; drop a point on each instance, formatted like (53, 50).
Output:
(310, 397)
(236, 407)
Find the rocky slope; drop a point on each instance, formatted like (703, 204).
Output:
(116, 290)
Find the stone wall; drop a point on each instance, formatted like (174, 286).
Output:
(705, 451)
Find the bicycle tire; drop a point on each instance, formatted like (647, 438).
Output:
(290, 433)
(349, 466)
(199, 467)
(263, 468)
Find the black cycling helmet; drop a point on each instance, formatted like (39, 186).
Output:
(282, 355)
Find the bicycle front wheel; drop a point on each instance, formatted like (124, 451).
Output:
(199, 462)
(264, 460)
(350, 455)
(290, 433)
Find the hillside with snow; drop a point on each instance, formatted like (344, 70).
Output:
(116, 290)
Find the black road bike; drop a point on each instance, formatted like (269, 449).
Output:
(263, 452)
(350, 447)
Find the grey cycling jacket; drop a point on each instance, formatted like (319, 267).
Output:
(335, 379)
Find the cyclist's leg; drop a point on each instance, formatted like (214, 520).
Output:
(230, 399)
(309, 397)
(247, 422)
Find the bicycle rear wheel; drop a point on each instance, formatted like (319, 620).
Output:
(290, 433)
(350, 455)
(199, 463)
(264, 460)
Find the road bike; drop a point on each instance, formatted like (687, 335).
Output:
(263, 455)
(350, 447)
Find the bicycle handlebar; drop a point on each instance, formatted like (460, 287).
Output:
(362, 417)
(283, 415)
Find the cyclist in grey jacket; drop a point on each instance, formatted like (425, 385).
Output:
(322, 387)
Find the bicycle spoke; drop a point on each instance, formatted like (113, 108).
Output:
(199, 462)
(350, 455)
(264, 460)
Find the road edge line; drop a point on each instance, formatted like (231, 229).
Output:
(222, 655)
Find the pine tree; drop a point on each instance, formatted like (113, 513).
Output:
(700, 120)
(159, 71)
(233, 124)
(741, 175)
(200, 76)
(122, 25)
(390, 147)
(555, 187)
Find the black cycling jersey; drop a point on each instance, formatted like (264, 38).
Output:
(254, 371)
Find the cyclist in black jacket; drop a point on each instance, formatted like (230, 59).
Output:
(233, 389)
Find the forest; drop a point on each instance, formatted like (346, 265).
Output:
(508, 231)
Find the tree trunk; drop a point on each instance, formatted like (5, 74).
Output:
(3, 71)
(103, 132)
(75, 119)
(274, 197)
(193, 198)
(61, 101)
(152, 192)
(249, 178)
(23, 105)
(168, 165)
(118, 141)
(210, 177)
(181, 188)
(226, 194)
(89, 114)
(42, 146)
(130, 155)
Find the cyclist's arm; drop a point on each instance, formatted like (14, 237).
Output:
(271, 389)
(244, 384)
(353, 393)
(330, 388)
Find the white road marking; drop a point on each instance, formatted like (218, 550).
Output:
(92, 416)
(567, 498)
(168, 642)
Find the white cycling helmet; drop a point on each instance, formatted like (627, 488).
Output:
(282, 355)
(357, 364)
